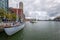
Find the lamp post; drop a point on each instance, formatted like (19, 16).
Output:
(17, 18)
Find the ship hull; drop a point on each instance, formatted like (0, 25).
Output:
(13, 30)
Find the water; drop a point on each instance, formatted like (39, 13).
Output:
(42, 30)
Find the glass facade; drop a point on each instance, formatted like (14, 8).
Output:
(4, 4)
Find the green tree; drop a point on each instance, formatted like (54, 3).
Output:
(8, 15)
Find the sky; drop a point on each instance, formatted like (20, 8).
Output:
(44, 9)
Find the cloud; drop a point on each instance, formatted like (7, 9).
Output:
(42, 15)
(13, 3)
(50, 6)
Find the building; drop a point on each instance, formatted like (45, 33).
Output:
(19, 11)
(21, 8)
(57, 18)
(14, 10)
(20, 5)
(4, 4)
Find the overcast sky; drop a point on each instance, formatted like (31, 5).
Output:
(50, 7)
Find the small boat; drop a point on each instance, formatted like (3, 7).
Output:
(13, 30)
(32, 21)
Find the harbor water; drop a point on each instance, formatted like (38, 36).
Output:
(41, 30)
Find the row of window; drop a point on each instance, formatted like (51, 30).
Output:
(4, 4)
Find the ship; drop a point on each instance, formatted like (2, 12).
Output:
(14, 28)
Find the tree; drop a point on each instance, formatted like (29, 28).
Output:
(7, 15)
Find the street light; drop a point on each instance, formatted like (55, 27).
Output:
(17, 18)
(17, 13)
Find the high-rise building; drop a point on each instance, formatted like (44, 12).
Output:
(21, 11)
(20, 5)
(4, 4)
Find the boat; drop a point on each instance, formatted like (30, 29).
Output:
(32, 21)
(16, 27)
(13, 30)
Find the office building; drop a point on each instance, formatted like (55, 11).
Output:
(4, 4)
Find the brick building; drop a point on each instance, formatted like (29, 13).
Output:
(19, 11)
(14, 10)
